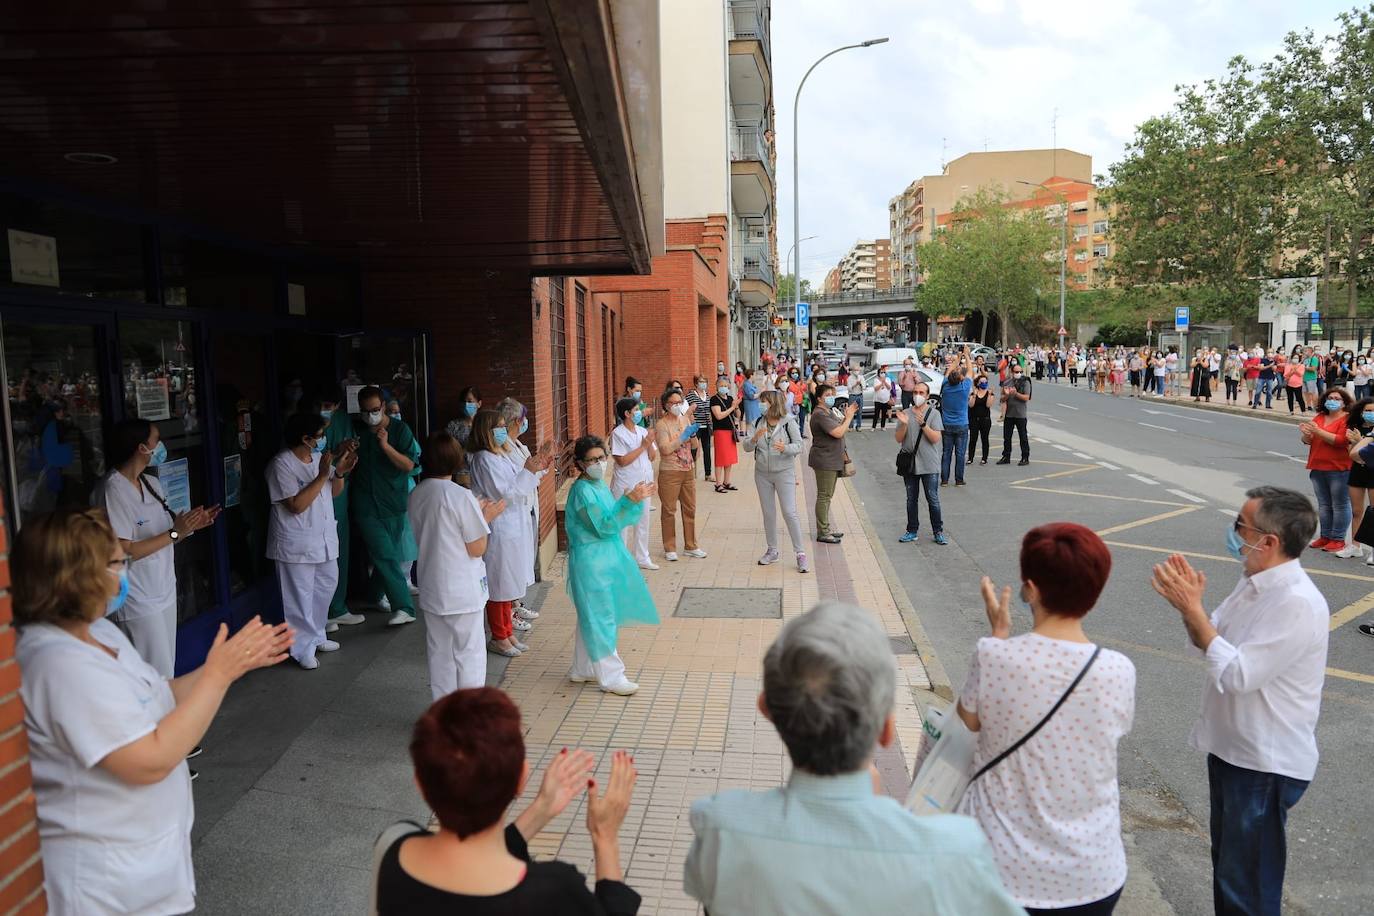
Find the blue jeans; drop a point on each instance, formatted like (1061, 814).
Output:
(1333, 502)
(1159, 385)
(955, 441)
(1264, 386)
(858, 421)
(914, 483)
(1249, 850)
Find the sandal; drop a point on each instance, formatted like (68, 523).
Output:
(719, 488)
(730, 486)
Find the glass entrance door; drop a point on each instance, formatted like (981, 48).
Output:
(55, 414)
(396, 364)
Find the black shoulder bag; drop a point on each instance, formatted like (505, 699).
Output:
(157, 496)
(906, 461)
(1039, 725)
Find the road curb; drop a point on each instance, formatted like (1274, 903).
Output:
(925, 649)
(1232, 411)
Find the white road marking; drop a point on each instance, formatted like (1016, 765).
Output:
(1066, 406)
(1143, 479)
(1184, 494)
(1045, 416)
(1227, 512)
(1289, 457)
(1081, 455)
(1167, 429)
(1110, 467)
(1062, 448)
(1170, 413)
(1038, 439)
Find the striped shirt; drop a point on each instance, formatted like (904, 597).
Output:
(701, 410)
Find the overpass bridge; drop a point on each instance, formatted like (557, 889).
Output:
(896, 302)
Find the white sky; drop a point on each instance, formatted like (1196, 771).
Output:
(971, 73)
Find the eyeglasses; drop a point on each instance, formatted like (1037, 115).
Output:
(1238, 524)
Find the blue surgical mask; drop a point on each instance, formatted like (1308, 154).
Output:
(157, 455)
(118, 600)
(524, 425)
(1234, 543)
(639, 415)
(499, 435)
(470, 408)
(1334, 405)
(327, 414)
(394, 416)
(982, 384)
(318, 447)
(1368, 418)
(829, 400)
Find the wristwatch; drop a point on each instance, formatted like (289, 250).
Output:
(174, 535)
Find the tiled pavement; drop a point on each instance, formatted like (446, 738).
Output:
(693, 727)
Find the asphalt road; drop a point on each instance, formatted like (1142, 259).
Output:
(1152, 479)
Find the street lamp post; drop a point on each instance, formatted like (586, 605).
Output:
(796, 198)
(1063, 247)
(796, 293)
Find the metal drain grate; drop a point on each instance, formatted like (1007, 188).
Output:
(731, 603)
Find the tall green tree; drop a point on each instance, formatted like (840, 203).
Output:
(992, 257)
(1322, 90)
(785, 284)
(1200, 196)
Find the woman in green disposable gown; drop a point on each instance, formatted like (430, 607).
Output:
(603, 579)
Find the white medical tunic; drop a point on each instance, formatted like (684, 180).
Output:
(108, 846)
(511, 548)
(137, 516)
(305, 537)
(446, 517)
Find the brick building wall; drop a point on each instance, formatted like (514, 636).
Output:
(21, 867)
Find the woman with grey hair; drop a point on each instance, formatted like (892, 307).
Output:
(828, 842)
(776, 442)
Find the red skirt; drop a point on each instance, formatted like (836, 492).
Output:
(724, 446)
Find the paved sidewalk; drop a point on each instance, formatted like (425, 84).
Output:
(693, 727)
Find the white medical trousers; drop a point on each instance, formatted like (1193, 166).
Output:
(155, 637)
(457, 646)
(607, 671)
(636, 536)
(306, 590)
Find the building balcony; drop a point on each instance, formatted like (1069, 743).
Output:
(751, 171)
(750, 63)
(749, 22)
(750, 144)
(753, 267)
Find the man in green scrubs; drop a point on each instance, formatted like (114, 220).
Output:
(387, 456)
(339, 439)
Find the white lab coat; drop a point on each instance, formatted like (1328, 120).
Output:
(512, 543)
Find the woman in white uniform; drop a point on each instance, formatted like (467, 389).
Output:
(108, 735)
(302, 537)
(517, 424)
(451, 529)
(634, 450)
(148, 530)
(501, 470)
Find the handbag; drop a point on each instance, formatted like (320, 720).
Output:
(849, 469)
(906, 461)
(942, 778)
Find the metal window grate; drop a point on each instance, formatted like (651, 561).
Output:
(558, 324)
(730, 603)
(584, 363)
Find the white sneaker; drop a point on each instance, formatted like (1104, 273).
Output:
(770, 556)
(519, 645)
(622, 688)
(348, 620)
(525, 613)
(384, 604)
(328, 645)
(670, 556)
(1369, 560)
(309, 663)
(521, 626)
(331, 627)
(1351, 549)
(399, 618)
(696, 552)
(648, 564)
(581, 678)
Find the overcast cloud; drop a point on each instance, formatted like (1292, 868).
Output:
(971, 74)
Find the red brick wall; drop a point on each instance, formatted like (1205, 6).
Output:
(21, 868)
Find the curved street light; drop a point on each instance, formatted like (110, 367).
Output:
(796, 198)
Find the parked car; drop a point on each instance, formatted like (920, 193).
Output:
(932, 378)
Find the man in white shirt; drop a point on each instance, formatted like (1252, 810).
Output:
(1266, 659)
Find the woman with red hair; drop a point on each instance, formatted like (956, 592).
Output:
(1059, 705)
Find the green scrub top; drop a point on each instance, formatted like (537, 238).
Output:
(379, 487)
(339, 431)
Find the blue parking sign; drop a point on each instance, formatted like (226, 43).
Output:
(1181, 318)
(803, 314)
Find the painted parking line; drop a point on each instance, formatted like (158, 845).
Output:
(1167, 429)
(1145, 480)
(1170, 413)
(1289, 457)
(1352, 611)
(1109, 466)
(1184, 494)
(1112, 496)
(1199, 661)
(1174, 513)
(1211, 556)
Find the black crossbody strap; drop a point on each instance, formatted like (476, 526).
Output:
(1041, 724)
(157, 496)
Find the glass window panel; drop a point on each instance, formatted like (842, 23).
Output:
(96, 257)
(202, 274)
(56, 419)
(158, 373)
(247, 443)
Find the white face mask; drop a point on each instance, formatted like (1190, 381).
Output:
(373, 417)
(680, 409)
(918, 399)
(597, 469)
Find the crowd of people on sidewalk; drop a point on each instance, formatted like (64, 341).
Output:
(110, 728)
